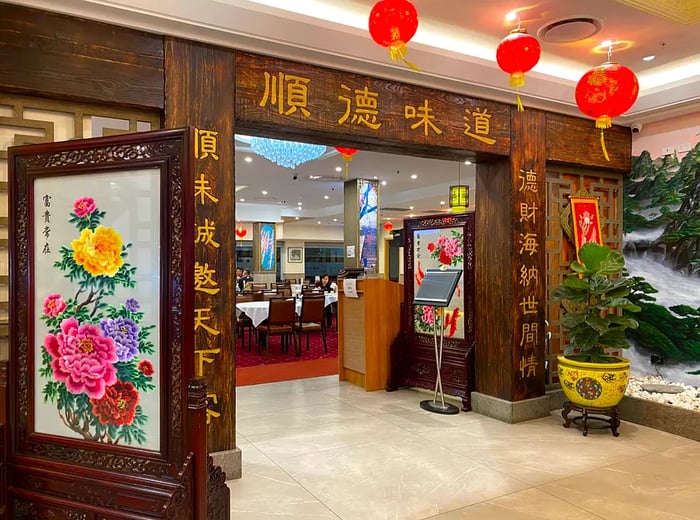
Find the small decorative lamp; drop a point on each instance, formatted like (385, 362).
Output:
(459, 198)
(388, 227)
(517, 54)
(347, 154)
(392, 23)
(241, 232)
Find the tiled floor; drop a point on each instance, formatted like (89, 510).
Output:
(320, 449)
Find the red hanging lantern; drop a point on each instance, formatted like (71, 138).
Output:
(516, 54)
(347, 154)
(241, 231)
(388, 226)
(604, 92)
(392, 23)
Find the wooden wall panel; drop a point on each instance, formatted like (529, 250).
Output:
(59, 56)
(494, 287)
(574, 140)
(199, 92)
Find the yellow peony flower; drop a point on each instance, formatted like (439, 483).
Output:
(98, 252)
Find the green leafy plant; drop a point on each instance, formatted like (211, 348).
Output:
(592, 296)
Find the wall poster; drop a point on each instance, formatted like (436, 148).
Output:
(434, 249)
(368, 203)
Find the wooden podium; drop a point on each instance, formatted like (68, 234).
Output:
(366, 327)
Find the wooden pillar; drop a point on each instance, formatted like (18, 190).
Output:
(199, 90)
(510, 265)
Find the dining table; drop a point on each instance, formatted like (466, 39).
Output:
(258, 311)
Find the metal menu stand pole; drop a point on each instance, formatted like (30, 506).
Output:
(434, 405)
(436, 291)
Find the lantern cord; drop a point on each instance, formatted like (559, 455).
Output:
(397, 52)
(347, 169)
(602, 145)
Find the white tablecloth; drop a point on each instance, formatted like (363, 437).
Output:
(259, 311)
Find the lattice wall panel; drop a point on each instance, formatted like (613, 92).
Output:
(25, 120)
(561, 183)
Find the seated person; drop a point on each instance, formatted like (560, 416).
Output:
(327, 286)
(246, 279)
(240, 285)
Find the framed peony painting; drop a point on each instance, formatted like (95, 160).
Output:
(96, 294)
(101, 337)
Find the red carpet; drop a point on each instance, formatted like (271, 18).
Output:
(253, 368)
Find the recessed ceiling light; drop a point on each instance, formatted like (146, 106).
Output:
(335, 220)
(318, 222)
(467, 162)
(299, 203)
(411, 208)
(241, 200)
(383, 183)
(248, 159)
(296, 218)
(648, 58)
(264, 192)
(326, 197)
(512, 16)
(410, 216)
(442, 203)
(414, 176)
(338, 169)
(375, 177)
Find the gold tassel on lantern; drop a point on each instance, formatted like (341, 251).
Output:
(397, 51)
(603, 122)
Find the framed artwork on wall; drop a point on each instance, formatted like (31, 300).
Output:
(585, 221)
(295, 255)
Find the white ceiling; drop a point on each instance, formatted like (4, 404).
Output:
(454, 48)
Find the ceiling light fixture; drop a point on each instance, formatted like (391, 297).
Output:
(286, 153)
(649, 58)
(459, 194)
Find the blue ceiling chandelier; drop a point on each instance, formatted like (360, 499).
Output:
(286, 153)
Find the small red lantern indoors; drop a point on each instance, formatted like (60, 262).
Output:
(392, 23)
(388, 226)
(241, 232)
(604, 92)
(347, 154)
(517, 54)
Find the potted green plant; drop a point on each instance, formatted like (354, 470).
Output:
(593, 297)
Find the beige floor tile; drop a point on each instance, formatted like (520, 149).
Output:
(293, 442)
(267, 492)
(263, 420)
(660, 486)
(409, 480)
(530, 504)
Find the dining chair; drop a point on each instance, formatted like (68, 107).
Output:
(312, 318)
(258, 286)
(244, 323)
(280, 322)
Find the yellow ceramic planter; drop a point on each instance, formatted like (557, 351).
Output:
(594, 385)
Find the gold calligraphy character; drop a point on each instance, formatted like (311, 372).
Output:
(529, 305)
(205, 234)
(527, 212)
(200, 319)
(528, 274)
(365, 112)
(212, 413)
(482, 125)
(287, 92)
(202, 189)
(205, 144)
(425, 116)
(528, 334)
(202, 357)
(528, 365)
(528, 181)
(528, 243)
(204, 279)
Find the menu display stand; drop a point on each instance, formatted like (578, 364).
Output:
(436, 291)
